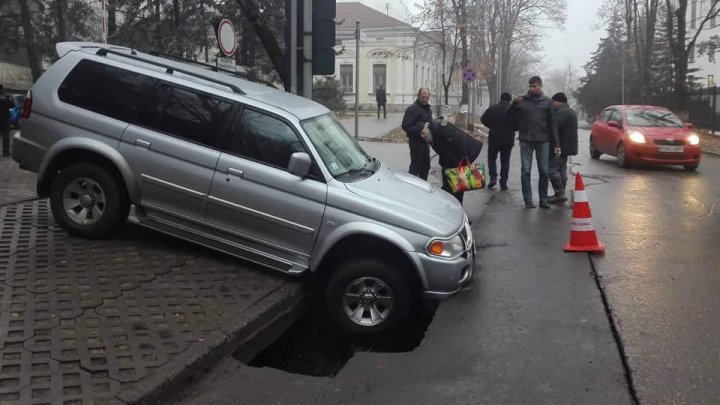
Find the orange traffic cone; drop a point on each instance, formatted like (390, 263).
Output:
(582, 230)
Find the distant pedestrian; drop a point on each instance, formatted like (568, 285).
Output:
(568, 135)
(417, 117)
(381, 98)
(453, 147)
(502, 124)
(537, 127)
(6, 103)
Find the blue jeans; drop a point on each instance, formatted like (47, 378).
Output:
(542, 154)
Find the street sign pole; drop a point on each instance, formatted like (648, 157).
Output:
(357, 76)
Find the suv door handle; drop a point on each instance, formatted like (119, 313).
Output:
(143, 143)
(235, 172)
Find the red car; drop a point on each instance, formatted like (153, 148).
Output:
(645, 134)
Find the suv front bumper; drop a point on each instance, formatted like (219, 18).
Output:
(445, 277)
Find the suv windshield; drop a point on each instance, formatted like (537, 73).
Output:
(652, 118)
(337, 149)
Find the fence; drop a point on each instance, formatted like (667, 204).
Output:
(702, 107)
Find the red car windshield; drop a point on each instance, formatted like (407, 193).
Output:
(652, 118)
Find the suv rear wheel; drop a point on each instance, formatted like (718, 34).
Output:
(368, 297)
(87, 201)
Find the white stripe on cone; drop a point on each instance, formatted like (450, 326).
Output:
(580, 196)
(581, 224)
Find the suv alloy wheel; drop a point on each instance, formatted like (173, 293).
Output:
(368, 296)
(87, 201)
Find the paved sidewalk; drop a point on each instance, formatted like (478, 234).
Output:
(127, 319)
(370, 127)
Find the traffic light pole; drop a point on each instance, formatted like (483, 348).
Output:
(307, 47)
(293, 47)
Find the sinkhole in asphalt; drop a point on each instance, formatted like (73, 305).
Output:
(314, 346)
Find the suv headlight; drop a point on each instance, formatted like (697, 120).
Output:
(636, 137)
(446, 247)
(693, 139)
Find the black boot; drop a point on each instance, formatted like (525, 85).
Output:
(559, 196)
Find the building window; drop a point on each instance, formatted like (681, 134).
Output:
(346, 78)
(379, 76)
(693, 14)
(691, 59)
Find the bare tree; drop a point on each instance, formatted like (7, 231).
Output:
(682, 42)
(439, 27)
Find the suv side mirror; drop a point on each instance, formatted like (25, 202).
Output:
(299, 164)
(689, 125)
(614, 124)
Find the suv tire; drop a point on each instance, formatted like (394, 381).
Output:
(361, 291)
(87, 201)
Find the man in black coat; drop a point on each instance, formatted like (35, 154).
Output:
(568, 135)
(502, 124)
(453, 146)
(381, 99)
(416, 117)
(6, 103)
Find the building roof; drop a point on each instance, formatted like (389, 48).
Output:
(348, 13)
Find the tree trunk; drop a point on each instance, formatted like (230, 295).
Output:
(30, 45)
(112, 17)
(60, 14)
(275, 53)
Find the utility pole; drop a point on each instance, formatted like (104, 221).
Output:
(307, 48)
(357, 75)
(293, 46)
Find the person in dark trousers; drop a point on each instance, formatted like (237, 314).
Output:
(502, 126)
(6, 103)
(453, 146)
(568, 135)
(538, 129)
(381, 98)
(416, 118)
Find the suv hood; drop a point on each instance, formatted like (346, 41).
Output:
(406, 201)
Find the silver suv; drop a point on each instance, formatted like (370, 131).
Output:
(242, 168)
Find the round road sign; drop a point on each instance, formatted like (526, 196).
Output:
(226, 37)
(469, 74)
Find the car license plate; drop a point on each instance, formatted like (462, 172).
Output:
(670, 148)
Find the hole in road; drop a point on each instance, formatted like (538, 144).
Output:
(314, 346)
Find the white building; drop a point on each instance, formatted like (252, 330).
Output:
(709, 70)
(392, 53)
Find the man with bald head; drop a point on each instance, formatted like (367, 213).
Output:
(417, 117)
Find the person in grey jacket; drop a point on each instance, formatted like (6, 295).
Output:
(568, 134)
(538, 129)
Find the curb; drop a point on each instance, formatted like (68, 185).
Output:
(250, 333)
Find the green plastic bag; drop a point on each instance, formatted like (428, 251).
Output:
(467, 176)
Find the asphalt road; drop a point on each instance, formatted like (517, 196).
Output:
(637, 324)
(661, 271)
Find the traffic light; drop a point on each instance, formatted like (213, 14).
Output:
(323, 29)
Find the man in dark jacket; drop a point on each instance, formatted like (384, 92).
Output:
(453, 146)
(502, 126)
(568, 135)
(538, 129)
(416, 117)
(381, 99)
(6, 103)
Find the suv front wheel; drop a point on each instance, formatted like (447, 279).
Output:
(87, 201)
(368, 297)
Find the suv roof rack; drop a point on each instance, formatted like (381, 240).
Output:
(169, 69)
(213, 67)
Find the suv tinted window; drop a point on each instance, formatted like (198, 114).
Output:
(263, 138)
(107, 90)
(192, 115)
